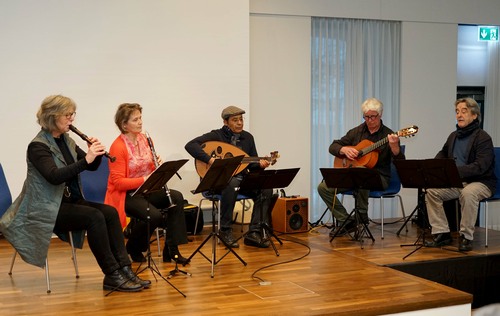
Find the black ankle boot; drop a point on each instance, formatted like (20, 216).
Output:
(127, 272)
(115, 281)
(170, 252)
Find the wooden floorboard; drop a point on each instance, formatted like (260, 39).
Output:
(311, 276)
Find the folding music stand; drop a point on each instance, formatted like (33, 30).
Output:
(426, 174)
(268, 179)
(155, 182)
(353, 178)
(215, 180)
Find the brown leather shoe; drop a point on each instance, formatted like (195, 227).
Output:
(439, 240)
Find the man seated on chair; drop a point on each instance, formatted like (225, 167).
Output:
(232, 133)
(472, 149)
(347, 151)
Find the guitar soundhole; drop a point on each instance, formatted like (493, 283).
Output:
(219, 150)
(228, 155)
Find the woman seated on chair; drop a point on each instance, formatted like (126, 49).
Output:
(51, 200)
(134, 163)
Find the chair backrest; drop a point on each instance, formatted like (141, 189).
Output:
(394, 184)
(94, 183)
(5, 195)
(496, 194)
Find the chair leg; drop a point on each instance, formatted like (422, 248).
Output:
(12, 262)
(158, 240)
(197, 217)
(382, 215)
(486, 222)
(73, 256)
(47, 275)
(242, 214)
(402, 209)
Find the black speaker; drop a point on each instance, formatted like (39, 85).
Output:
(291, 215)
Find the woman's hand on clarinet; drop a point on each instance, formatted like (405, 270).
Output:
(95, 149)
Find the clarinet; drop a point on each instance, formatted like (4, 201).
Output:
(85, 138)
(155, 159)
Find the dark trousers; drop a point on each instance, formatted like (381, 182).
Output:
(104, 231)
(173, 219)
(261, 209)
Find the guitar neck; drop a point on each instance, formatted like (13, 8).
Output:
(373, 146)
(254, 159)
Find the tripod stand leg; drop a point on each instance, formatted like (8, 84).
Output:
(268, 234)
(319, 221)
(363, 230)
(215, 236)
(408, 219)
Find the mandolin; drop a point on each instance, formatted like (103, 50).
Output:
(221, 150)
(368, 156)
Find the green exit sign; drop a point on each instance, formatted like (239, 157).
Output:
(488, 33)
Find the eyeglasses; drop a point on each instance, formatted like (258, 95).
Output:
(370, 117)
(70, 115)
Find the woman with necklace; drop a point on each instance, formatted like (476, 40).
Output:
(134, 163)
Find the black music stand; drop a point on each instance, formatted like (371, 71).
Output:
(155, 182)
(215, 180)
(355, 179)
(268, 179)
(426, 174)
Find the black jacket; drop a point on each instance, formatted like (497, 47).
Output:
(480, 165)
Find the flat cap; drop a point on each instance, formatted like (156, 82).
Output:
(231, 111)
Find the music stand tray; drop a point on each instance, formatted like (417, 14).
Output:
(156, 182)
(215, 180)
(426, 174)
(355, 178)
(268, 179)
(160, 177)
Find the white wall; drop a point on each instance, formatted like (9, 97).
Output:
(183, 61)
(472, 57)
(280, 59)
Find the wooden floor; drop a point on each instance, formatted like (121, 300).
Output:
(311, 276)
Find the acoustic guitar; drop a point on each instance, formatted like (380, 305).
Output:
(368, 156)
(221, 150)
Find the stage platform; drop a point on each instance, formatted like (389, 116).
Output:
(311, 276)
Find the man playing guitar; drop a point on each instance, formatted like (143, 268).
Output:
(350, 152)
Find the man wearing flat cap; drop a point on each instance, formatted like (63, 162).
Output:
(232, 133)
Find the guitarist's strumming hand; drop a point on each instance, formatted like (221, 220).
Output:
(351, 153)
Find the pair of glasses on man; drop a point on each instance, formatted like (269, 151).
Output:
(370, 117)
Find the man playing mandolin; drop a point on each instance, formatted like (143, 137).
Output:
(355, 149)
(232, 133)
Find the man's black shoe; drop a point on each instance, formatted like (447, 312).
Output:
(464, 244)
(227, 235)
(255, 240)
(363, 217)
(439, 240)
(117, 282)
(349, 227)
